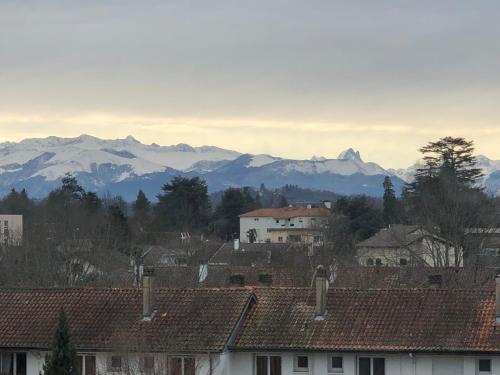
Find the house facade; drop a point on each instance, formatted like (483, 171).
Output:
(259, 331)
(406, 245)
(286, 224)
(11, 230)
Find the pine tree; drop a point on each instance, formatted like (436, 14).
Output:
(392, 208)
(141, 206)
(61, 361)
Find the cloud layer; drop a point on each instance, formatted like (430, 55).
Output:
(290, 78)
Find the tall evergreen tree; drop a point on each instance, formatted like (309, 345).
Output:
(445, 197)
(183, 205)
(142, 206)
(234, 202)
(392, 207)
(61, 361)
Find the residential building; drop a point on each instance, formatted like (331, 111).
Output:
(11, 230)
(286, 224)
(259, 331)
(406, 245)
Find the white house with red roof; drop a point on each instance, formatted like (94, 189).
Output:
(285, 224)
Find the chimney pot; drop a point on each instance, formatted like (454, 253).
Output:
(321, 293)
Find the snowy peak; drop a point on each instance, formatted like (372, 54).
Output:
(350, 154)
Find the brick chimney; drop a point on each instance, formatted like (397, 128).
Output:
(321, 293)
(148, 294)
(497, 300)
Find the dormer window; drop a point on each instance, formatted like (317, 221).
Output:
(237, 280)
(266, 279)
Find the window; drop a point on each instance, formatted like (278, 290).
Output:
(292, 224)
(277, 221)
(85, 364)
(369, 262)
(266, 279)
(378, 262)
(256, 219)
(147, 364)
(181, 366)
(371, 366)
(301, 363)
(267, 365)
(12, 363)
(403, 262)
(115, 363)
(336, 365)
(280, 239)
(483, 366)
(238, 280)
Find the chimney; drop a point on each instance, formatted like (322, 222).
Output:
(148, 294)
(497, 300)
(236, 244)
(435, 281)
(321, 293)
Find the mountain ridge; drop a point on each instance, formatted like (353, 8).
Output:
(122, 166)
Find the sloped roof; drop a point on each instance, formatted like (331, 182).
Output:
(361, 277)
(247, 253)
(288, 212)
(187, 320)
(396, 235)
(417, 320)
(219, 275)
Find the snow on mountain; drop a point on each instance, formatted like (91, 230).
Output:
(85, 153)
(122, 166)
(350, 154)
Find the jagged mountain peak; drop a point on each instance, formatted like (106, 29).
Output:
(350, 154)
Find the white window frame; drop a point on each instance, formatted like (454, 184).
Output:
(110, 367)
(183, 359)
(484, 372)
(268, 356)
(296, 367)
(335, 370)
(14, 360)
(84, 357)
(372, 357)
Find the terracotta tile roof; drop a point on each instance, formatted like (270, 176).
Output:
(417, 320)
(288, 212)
(187, 320)
(248, 253)
(397, 235)
(361, 277)
(220, 276)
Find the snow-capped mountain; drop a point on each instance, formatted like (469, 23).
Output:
(123, 166)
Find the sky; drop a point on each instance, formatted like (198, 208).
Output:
(288, 78)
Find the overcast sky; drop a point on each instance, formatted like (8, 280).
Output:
(290, 78)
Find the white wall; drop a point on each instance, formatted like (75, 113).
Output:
(262, 224)
(396, 364)
(14, 237)
(242, 363)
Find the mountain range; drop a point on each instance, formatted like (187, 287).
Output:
(123, 166)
